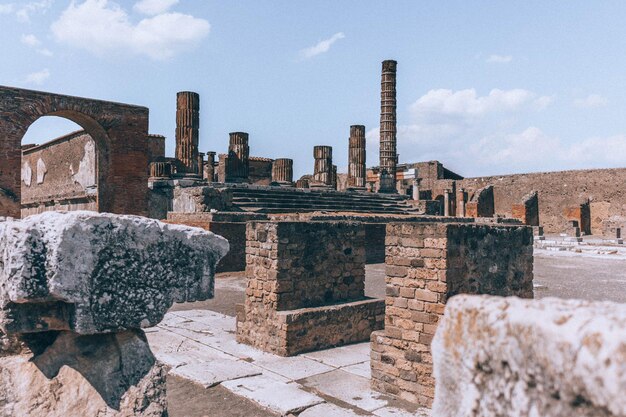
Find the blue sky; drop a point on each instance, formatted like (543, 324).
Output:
(485, 87)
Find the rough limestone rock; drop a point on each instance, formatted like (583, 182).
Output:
(532, 358)
(93, 272)
(107, 375)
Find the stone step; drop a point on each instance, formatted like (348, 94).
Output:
(332, 207)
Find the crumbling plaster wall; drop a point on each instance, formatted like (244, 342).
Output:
(60, 175)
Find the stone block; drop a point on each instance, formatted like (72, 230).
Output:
(67, 375)
(94, 273)
(512, 357)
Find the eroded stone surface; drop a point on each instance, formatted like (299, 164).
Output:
(94, 273)
(85, 375)
(511, 357)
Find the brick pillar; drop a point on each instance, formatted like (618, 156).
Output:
(388, 151)
(209, 167)
(426, 264)
(282, 171)
(238, 166)
(187, 127)
(356, 158)
(323, 169)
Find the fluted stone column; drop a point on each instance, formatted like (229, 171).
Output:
(187, 130)
(388, 151)
(238, 166)
(209, 167)
(446, 203)
(356, 158)
(282, 171)
(323, 169)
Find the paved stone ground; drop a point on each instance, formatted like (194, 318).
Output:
(212, 375)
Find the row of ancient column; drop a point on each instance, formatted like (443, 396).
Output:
(191, 161)
(237, 163)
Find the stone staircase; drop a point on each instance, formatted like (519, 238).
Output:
(281, 200)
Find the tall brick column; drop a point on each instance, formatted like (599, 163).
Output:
(426, 264)
(282, 171)
(356, 158)
(323, 169)
(238, 166)
(187, 127)
(388, 151)
(209, 167)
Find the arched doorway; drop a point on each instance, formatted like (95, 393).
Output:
(119, 132)
(59, 168)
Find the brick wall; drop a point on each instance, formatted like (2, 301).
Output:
(558, 190)
(120, 133)
(426, 264)
(305, 287)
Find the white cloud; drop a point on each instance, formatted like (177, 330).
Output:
(103, 27)
(30, 40)
(467, 103)
(592, 101)
(6, 8)
(33, 42)
(38, 78)
(24, 11)
(154, 7)
(499, 59)
(321, 46)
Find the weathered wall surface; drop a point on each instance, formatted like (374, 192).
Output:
(120, 132)
(510, 357)
(60, 174)
(427, 263)
(260, 171)
(559, 190)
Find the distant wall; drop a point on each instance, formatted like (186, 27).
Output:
(560, 190)
(60, 175)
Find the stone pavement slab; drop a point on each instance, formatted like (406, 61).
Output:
(349, 388)
(397, 412)
(328, 410)
(215, 372)
(342, 356)
(361, 369)
(278, 396)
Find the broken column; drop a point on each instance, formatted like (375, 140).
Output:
(209, 167)
(282, 171)
(415, 191)
(306, 287)
(509, 357)
(426, 264)
(238, 163)
(333, 182)
(461, 199)
(356, 158)
(388, 151)
(187, 130)
(201, 164)
(323, 169)
(77, 288)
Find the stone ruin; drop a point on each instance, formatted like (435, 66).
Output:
(77, 288)
(512, 357)
(306, 287)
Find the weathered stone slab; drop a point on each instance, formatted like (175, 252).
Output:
(93, 273)
(94, 375)
(512, 357)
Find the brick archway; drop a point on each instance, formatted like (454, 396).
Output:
(120, 132)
